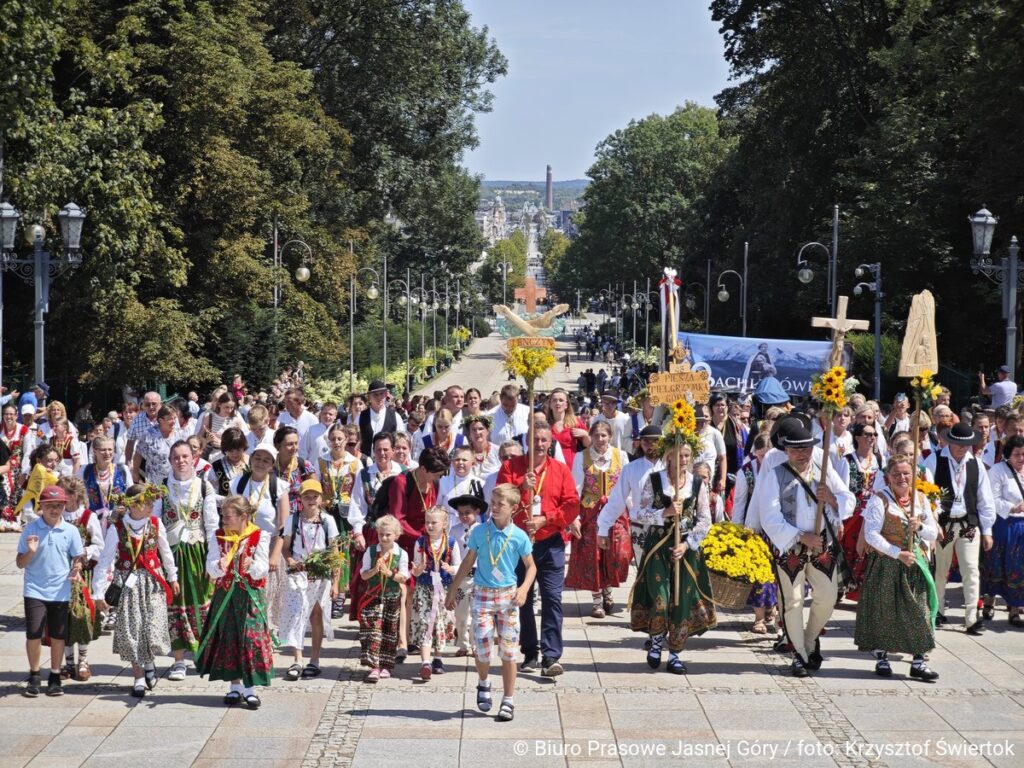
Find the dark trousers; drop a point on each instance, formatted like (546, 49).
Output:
(549, 556)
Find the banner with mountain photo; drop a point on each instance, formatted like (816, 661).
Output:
(737, 364)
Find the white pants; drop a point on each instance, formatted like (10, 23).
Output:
(967, 557)
(824, 591)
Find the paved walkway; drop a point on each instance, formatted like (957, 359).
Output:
(737, 706)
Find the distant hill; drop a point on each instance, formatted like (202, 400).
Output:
(491, 184)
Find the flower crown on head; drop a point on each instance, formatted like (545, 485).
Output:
(149, 493)
(483, 418)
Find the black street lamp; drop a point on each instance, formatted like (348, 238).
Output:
(40, 268)
(1006, 275)
(875, 272)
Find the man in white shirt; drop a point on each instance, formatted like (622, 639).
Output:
(511, 419)
(295, 413)
(967, 510)
(379, 417)
(1003, 390)
(806, 551)
(454, 398)
(313, 443)
(620, 423)
(626, 493)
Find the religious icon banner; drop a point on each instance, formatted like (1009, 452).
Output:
(738, 364)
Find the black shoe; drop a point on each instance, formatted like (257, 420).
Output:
(53, 686)
(530, 664)
(551, 668)
(977, 628)
(782, 645)
(814, 660)
(923, 672)
(150, 675)
(883, 668)
(138, 691)
(940, 619)
(401, 654)
(676, 666)
(35, 682)
(797, 668)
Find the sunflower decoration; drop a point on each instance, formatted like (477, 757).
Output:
(832, 389)
(681, 427)
(925, 389)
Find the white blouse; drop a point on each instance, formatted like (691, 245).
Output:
(403, 560)
(602, 462)
(310, 536)
(645, 512)
(874, 518)
(182, 496)
(258, 494)
(1006, 490)
(104, 572)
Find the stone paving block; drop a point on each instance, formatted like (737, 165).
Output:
(26, 745)
(227, 745)
(741, 722)
(136, 745)
(528, 724)
(509, 752)
(1004, 749)
(979, 713)
(13, 762)
(76, 742)
(152, 712)
(871, 713)
(634, 724)
(31, 721)
(430, 753)
(204, 762)
(666, 701)
(104, 711)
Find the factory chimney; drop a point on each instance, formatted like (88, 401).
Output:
(549, 192)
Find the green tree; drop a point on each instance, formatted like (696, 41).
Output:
(552, 246)
(511, 250)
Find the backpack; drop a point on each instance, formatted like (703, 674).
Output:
(244, 481)
(379, 506)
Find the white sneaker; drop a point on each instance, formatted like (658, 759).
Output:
(178, 672)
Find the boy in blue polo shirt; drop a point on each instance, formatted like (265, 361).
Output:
(50, 550)
(499, 545)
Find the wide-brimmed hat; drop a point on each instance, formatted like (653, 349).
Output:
(961, 434)
(784, 425)
(650, 431)
(377, 386)
(44, 388)
(468, 498)
(609, 396)
(798, 437)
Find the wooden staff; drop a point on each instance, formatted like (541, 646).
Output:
(530, 451)
(915, 430)
(677, 538)
(826, 441)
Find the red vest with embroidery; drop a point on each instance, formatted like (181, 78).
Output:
(149, 556)
(246, 549)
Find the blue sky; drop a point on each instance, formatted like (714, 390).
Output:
(580, 69)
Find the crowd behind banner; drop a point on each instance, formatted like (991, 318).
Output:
(214, 532)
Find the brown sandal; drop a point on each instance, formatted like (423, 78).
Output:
(597, 613)
(84, 673)
(759, 628)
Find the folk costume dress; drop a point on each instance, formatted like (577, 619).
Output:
(263, 496)
(590, 567)
(140, 631)
(337, 479)
(379, 608)
(100, 485)
(83, 621)
(1002, 568)
(236, 641)
(898, 603)
(189, 515)
(14, 446)
(301, 593)
(431, 622)
(368, 482)
(297, 471)
(861, 481)
(654, 608)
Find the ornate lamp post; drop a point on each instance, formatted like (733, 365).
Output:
(1006, 275)
(875, 286)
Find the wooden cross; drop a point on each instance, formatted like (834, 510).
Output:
(529, 293)
(839, 324)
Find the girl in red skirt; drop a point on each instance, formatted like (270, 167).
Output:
(596, 470)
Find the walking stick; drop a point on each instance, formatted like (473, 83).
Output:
(676, 538)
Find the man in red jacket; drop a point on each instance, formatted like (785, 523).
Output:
(555, 505)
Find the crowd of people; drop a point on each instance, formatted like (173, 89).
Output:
(452, 524)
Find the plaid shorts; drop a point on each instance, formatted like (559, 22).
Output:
(494, 611)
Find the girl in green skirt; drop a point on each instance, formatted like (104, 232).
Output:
(189, 514)
(897, 606)
(236, 645)
(670, 607)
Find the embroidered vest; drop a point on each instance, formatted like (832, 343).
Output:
(944, 479)
(149, 556)
(597, 483)
(190, 516)
(391, 587)
(789, 488)
(338, 490)
(425, 578)
(246, 549)
(366, 432)
(222, 471)
(94, 494)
